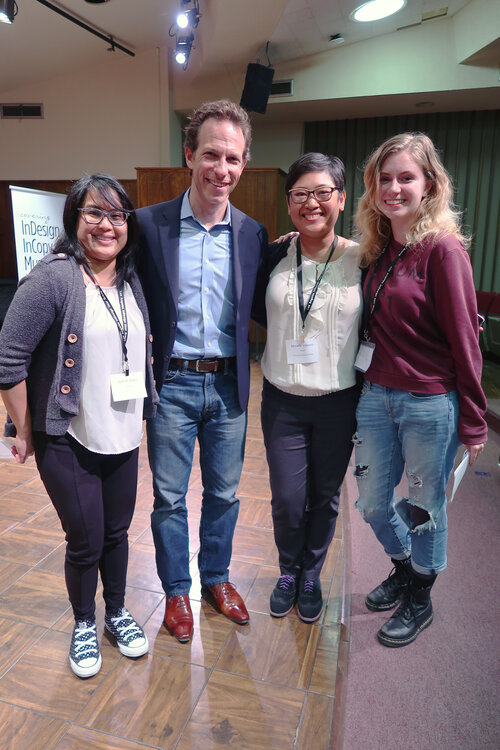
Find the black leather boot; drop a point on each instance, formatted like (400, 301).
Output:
(412, 616)
(387, 594)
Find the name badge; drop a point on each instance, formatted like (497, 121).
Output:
(128, 387)
(364, 356)
(301, 352)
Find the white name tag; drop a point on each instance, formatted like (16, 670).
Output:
(301, 352)
(364, 357)
(127, 387)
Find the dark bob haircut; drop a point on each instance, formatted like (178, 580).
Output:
(113, 194)
(316, 162)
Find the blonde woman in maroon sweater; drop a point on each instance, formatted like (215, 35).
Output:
(422, 393)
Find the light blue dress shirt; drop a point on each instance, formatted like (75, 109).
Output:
(206, 318)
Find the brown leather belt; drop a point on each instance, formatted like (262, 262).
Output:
(222, 364)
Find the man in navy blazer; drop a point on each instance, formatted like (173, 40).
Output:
(199, 260)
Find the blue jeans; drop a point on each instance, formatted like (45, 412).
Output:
(204, 406)
(420, 430)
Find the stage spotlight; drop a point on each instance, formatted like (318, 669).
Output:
(183, 49)
(8, 11)
(188, 17)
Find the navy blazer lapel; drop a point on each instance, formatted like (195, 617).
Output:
(168, 236)
(238, 232)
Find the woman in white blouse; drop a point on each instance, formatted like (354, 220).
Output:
(310, 295)
(76, 379)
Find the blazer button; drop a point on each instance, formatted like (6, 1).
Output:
(69, 362)
(65, 389)
(172, 324)
(150, 338)
(72, 338)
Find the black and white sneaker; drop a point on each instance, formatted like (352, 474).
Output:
(84, 655)
(130, 637)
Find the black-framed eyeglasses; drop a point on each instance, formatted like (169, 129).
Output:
(321, 194)
(96, 215)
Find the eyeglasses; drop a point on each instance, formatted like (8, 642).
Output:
(321, 194)
(96, 215)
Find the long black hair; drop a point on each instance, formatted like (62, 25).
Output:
(111, 191)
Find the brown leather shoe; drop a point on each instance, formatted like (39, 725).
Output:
(227, 600)
(179, 617)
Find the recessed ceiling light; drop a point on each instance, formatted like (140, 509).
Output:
(374, 10)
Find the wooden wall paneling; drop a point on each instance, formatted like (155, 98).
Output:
(259, 193)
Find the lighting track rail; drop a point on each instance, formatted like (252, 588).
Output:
(90, 29)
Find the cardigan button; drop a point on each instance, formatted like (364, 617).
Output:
(150, 338)
(61, 255)
(65, 389)
(72, 338)
(152, 360)
(69, 362)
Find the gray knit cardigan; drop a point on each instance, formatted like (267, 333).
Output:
(41, 341)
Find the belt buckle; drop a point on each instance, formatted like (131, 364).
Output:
(197, 366)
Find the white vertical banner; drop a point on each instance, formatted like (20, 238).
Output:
(38, 219)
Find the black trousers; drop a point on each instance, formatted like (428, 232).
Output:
(94, 496)
(308, 443)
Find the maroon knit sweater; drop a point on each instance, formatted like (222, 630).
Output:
(425, 328)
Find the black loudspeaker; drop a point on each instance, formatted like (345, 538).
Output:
(257, 88)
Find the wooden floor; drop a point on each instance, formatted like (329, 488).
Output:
(267, 685)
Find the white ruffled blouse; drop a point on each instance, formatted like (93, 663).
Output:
(333, 320)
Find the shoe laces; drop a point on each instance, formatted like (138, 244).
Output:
(125, 625)
(286, 582)
(84, 639)
(308, 586)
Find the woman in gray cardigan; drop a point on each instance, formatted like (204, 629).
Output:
(76, 379)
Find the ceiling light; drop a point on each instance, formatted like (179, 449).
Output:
(374, 10)
(183, 49)
(8, 10)
(188, 16)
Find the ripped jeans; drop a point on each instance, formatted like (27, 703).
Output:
(420, 430)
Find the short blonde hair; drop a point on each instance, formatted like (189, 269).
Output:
(436, 214)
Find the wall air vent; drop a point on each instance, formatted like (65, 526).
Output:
(282, 88)
(21, 111)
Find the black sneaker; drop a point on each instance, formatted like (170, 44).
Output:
(84, 655)
(387, 594)
(283, 596)
(310, 601)
(130, 637)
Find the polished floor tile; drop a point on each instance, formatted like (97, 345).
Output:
(39, 597)
(237, 712)
(21, 729)
(276, 650)
(148, 700)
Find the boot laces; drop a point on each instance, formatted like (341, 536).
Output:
(308, 587)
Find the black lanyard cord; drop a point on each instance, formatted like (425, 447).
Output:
(123, 326)
(304, 311)
(369, 308)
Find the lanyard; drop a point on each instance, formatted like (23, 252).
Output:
(304, 311)
(123, 326)
(368, 309)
